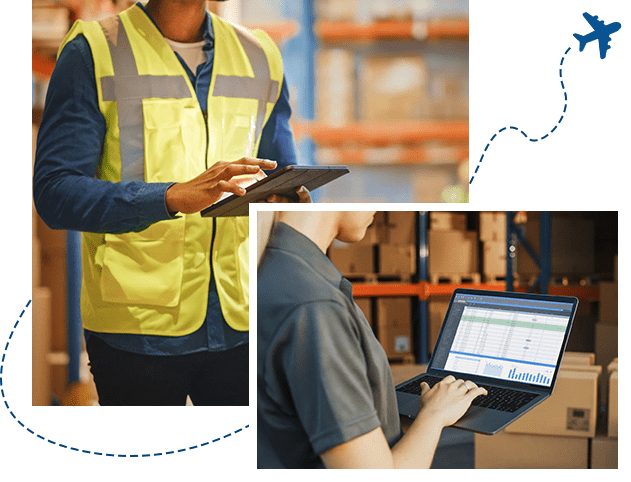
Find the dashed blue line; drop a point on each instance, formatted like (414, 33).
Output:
(75, 449)
(534, 139)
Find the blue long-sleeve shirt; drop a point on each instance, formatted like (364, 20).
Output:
(68, 196)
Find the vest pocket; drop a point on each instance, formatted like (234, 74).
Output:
(164, 141)
(144, 268)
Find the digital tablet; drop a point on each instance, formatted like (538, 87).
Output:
(283, 182)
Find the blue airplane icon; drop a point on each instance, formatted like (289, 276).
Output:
(601, 33)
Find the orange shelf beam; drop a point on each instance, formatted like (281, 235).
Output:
(397, 155)
(42, 65)
(425, 290)
(279, 31)
(392, 29)
(388, 133)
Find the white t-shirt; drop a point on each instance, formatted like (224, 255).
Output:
(192, 53)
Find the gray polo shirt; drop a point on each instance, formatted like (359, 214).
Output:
(323, 378)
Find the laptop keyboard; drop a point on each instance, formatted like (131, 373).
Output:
(503, 399)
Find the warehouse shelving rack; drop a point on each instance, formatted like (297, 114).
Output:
(423, 290)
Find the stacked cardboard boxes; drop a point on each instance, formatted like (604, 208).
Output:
(493, 238)
(453, 251)
(604, 446)
(555, 434)
(335, 86)
(394, 327)
(397, 249)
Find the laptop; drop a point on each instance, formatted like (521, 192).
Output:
(512, 344)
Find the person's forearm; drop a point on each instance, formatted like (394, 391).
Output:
(81, 203)
(416, 448)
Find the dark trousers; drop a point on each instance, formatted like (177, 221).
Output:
(209, 378)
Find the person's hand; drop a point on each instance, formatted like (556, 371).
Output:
(303, 197)
(207, 188)
(448, 400)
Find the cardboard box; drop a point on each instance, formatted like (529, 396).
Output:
(493, 226)
(403, 372)
(393, 88)
(352, 258)
(577, 358)
(527, 451)
(571, 245)
(453, 252)
(604, 453)
(335, 86)
(612, 420)
(608, 302)
(365, 305)
(570, 411)
(494, 260)
(397, 261)
(394, 326)
(401, 227)
(443, 221)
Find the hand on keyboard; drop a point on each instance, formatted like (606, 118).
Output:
(448, 400)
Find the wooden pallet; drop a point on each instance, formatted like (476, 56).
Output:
(494, 278)
(452, 278)
(376, 278)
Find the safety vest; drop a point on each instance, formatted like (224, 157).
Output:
(156, 281)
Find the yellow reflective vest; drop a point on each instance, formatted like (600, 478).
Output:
(156, 281)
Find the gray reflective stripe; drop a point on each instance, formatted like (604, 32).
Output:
(128, 89)
(260, 87)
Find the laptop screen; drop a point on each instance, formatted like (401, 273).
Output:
(510, 338)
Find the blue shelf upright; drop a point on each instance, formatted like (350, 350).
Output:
(422, 271)
(514, 235)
